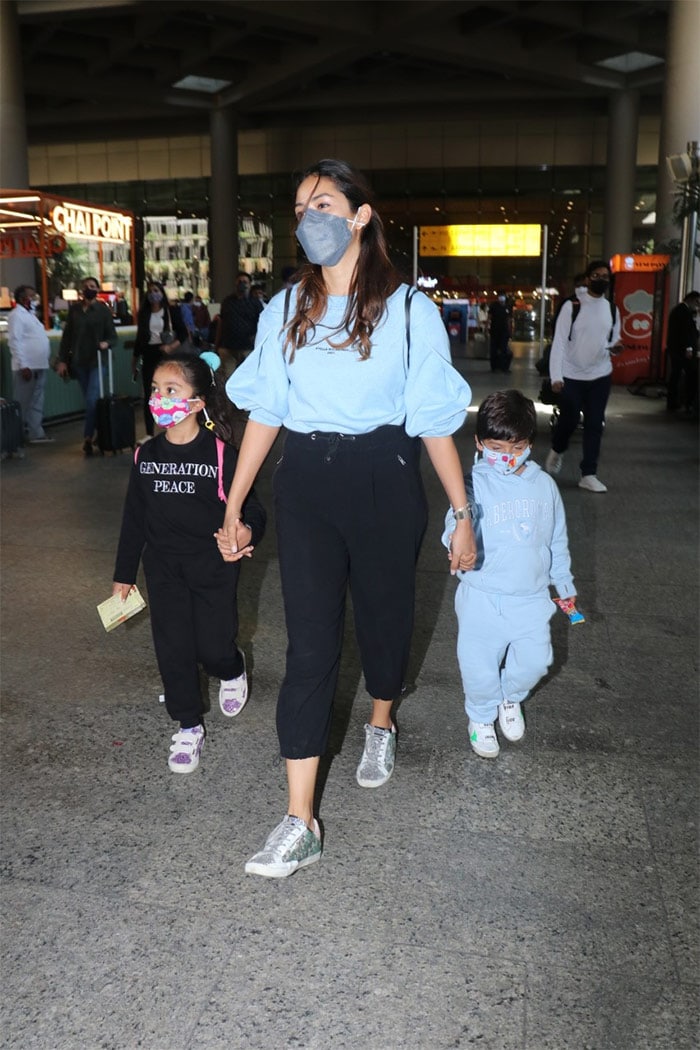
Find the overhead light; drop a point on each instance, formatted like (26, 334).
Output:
(19, 200)
(208, 85)
(631, 62)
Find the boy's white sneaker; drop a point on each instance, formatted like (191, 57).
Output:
(553, 462)
(482, 737)
(591, 484)
(186, 749)
(511, 721)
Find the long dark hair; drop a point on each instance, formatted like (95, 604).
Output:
(374, 280)
(210, 385)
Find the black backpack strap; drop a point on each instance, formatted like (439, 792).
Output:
(286, 305)
(575, 308)
(613, 315)
(410, 292)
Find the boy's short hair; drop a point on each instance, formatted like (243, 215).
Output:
(506, 415)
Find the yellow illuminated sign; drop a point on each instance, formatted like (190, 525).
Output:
(96, 224)
(483, 240)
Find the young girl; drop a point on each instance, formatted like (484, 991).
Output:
(174, 506)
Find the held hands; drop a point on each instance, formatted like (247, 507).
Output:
(233, 541)
(462, 549)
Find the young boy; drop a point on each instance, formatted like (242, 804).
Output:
(503, 605)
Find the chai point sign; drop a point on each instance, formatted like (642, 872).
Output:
(483, 240)
(94, 224)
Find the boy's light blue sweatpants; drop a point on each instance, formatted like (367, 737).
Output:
(491, 626)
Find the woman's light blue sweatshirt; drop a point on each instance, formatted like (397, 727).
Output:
(334, 390)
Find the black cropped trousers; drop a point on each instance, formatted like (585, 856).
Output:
(350, 510)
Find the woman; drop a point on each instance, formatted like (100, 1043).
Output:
(349, 502)
(160, 330)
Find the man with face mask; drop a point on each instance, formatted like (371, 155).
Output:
(580, 370)
(238, 321)
(29, 350)
(682, 351)
(89, 331)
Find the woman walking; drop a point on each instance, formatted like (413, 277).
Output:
(332, 364)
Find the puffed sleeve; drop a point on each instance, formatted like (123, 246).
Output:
(436, 395)
(260, 385)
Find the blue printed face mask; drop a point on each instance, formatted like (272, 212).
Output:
(325, 238)
(504, 462)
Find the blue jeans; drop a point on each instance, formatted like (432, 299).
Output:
(90, 385)
(590, 397)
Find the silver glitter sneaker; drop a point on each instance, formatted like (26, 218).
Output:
(377, 762)
(290, 846)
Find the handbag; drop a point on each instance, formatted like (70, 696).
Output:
(167, 337)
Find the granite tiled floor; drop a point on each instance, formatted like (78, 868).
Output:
(545, 901)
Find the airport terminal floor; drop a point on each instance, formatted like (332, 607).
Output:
(546, 900)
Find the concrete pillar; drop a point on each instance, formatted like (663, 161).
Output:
(223, 203)
(14, 162)
(623, 129)
(680, 119)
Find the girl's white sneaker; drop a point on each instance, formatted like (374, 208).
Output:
(186, 749)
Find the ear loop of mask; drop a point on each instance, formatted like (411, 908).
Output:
(208, 422)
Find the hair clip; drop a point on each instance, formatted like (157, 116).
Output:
(214, 362)
(208, 422)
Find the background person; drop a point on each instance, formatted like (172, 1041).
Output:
(580, 370)
(682, 349)
(499, 325)
(238, 320)
(29, 351)
(89, 330)
(350, 509)
(159, 330)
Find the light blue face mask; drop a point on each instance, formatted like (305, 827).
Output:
(324, 238)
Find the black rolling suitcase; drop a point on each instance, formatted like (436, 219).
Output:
(11, 428)
(116, 425)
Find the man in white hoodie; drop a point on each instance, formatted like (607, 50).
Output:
(580, 371)
(29, 350)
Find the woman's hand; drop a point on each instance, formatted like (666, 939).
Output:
(233, 541)
(61, 369)
(462, 549)
(122, 589)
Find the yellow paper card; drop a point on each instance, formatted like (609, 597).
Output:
(114, 611)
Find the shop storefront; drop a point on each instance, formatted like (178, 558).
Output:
(69, 240)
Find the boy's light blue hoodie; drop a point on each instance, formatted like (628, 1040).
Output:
(521, 535)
